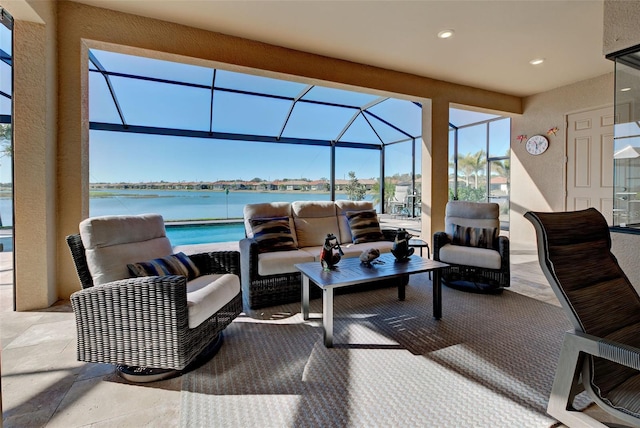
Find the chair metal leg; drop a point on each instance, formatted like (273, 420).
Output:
(566, 385)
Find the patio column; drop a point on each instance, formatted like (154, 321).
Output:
(34, 154)
(435, 165)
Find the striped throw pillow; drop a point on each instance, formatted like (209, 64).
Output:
(272, 234)
(364, 226)
(175, 264)
(475, 236)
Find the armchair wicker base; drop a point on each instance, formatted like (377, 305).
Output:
(139, 374)
(475, 280)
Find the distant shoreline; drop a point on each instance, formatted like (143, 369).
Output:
(109, 193)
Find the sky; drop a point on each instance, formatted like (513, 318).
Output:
(128, 157)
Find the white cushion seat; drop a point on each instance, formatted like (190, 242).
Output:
(109, 249)
(470, 256)
(478, 256)
(278, 262)
(207, 294)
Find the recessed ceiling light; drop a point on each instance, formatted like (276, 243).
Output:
(536, 61)
(625, 89)
(446, 34)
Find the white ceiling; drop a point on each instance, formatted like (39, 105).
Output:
(491, 49)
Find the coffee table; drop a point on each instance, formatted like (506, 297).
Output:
(351, 271)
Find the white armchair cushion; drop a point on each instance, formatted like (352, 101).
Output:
(207, 294)
(112, 242)
(471, 214)
(470, 256)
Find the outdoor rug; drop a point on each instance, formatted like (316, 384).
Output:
(489, 362)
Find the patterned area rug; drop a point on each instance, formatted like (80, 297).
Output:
(489, 362)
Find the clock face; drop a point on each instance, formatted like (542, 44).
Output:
(537, 144)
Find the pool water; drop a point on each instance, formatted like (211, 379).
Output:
(204, 233)
(183, 234)
(7, 243)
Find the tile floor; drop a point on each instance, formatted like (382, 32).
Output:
(43, 384)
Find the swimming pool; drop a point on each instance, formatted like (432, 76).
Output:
(7, 243)
(184, 234)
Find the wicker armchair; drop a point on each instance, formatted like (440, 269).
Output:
(473, 266)
(142, 324)
(602, 353)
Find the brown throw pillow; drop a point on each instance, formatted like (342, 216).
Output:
(364, 226)
(272, 234)
(475, 236)
(175, 264)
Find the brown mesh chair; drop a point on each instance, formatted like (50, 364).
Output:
(602, 353)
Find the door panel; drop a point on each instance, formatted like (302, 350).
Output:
(590, 161)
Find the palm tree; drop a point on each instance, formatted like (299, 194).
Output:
(503, 167)
(389, 191)
(473, 164)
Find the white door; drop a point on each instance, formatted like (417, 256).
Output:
(590, 161)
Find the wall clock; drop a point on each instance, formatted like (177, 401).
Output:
(537, 144)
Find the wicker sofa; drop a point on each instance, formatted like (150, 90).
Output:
(269, 278)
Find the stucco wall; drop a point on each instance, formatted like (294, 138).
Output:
(538, 182)
(621, 29)
(34, 153)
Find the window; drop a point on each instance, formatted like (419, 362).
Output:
(626, 157)
(198, 143)
(479, 167)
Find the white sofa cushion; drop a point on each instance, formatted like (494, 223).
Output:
(342, 207)
(207, 294)
(470, 256)
(313, 221)
(280, 262)
(112, 242)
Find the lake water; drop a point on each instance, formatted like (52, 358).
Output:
(177, 205)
